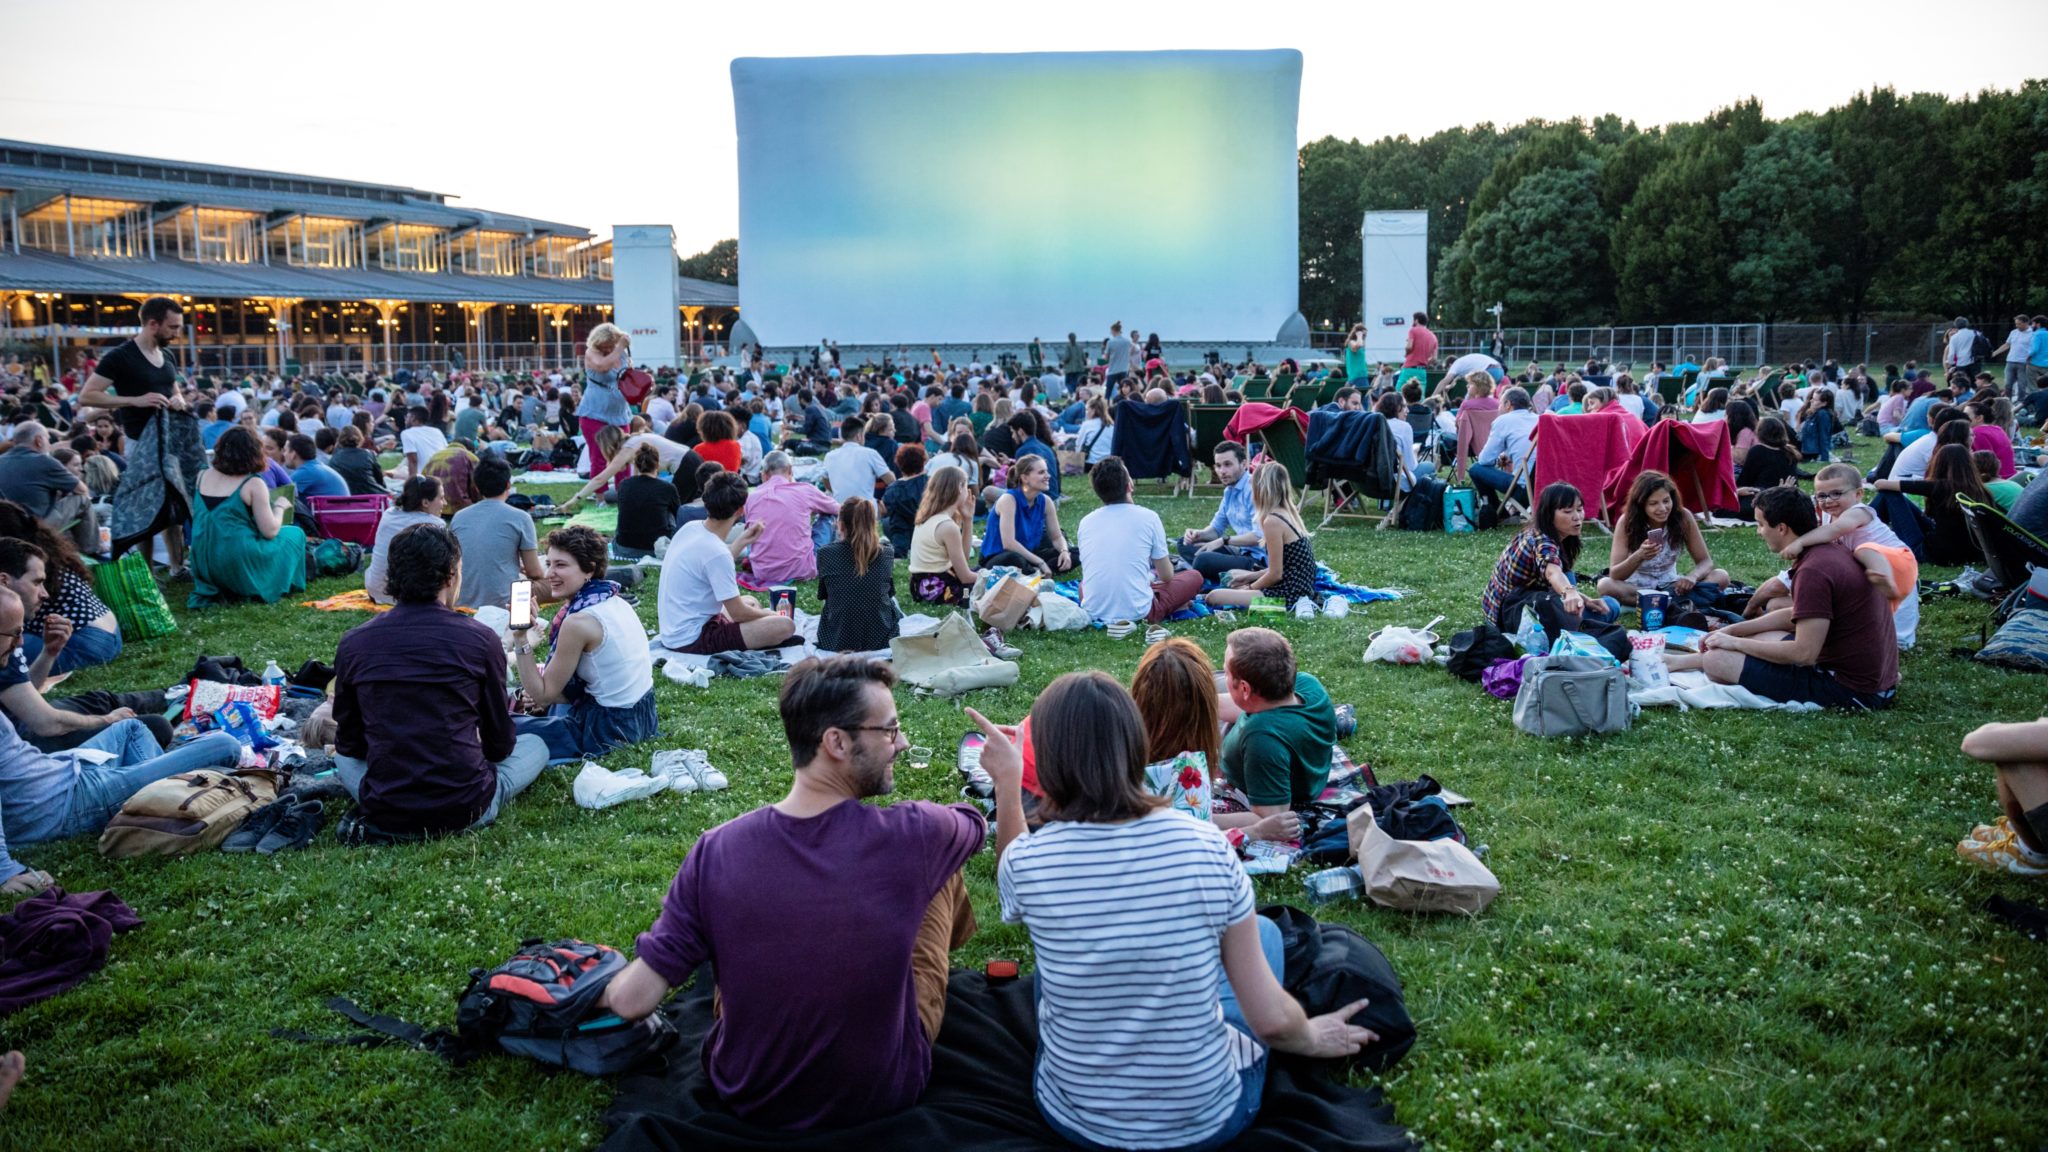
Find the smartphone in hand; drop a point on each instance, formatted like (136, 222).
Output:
(522, 605)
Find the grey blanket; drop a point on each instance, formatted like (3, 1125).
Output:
(163, 472)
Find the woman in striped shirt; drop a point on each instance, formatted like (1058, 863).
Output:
(1137, 911)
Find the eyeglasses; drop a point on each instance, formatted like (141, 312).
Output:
(1837, 495)
(16, 634)
(892, 730)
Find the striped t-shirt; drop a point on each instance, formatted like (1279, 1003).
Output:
(1127, 921)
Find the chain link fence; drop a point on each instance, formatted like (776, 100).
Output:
(1743, 345)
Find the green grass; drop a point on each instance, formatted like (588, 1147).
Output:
(1716, 931)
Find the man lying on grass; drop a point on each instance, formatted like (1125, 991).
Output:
(808, 1038)
(1840, 650)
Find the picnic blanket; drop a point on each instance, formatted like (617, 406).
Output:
(566, 476)
(1584, 451)
(979, 1095)
(357, 600)
(602, 518)
(1689, 690)
(1253, 415)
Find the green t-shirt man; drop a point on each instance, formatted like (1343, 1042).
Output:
(1281, 756)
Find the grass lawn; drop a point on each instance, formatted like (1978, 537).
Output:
(1717, 931)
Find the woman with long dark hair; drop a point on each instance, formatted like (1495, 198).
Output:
(1742, 421)
(1771, 461)
(92, 635)
(1653, 530)
(857, 582)
(1943, 531)
(1534, 571)
(1139, 912)
(419, 502)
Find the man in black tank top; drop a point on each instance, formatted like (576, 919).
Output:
(140, 377)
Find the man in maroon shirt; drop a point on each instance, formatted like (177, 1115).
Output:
(828, 920)
(424, 738)
(1841, 651)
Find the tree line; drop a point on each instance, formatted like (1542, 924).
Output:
(1887, 206)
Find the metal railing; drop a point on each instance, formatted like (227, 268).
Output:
(1745, 345)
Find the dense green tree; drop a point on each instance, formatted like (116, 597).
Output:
(1779, 215)
(1331, 277)
(1885, 148)
(719, 263)
(1985, 257)
(1671, 250)
(1542, 252)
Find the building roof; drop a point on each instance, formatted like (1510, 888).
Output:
(706, 293)
(29, 167)
(36, 271)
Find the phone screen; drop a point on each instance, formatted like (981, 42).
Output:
(522, 604)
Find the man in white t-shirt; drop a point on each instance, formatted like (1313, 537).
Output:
(661, 411)
(853, 468)
(2018, 347)
(1962, 348)
(420, 440)
(229, 404)
(1125, 574)
(701, 609)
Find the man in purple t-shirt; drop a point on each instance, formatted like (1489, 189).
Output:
(1842, 651)
(828, 920)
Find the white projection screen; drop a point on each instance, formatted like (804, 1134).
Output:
(994, 198)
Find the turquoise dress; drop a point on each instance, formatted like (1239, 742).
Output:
(230, 558)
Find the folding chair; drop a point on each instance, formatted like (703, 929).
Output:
(1303, 397)
(2011, 553)
(1208, 421)
(1349, 496)
(1331, 386)
(1257, 387)
(1283, 441)
(1143, 428)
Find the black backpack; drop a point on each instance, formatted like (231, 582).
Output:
(1473, 652)
(1980, 348)
(564, 453)
(1423, 508)
(1329, 966)
(542, 1004)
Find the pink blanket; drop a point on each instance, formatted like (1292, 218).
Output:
(1254, 415)
(1583, 451)
(1697, 457)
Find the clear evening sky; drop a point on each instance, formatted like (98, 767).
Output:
(612, 112)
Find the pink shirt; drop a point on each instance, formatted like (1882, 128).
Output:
(1991, 438)
(1424, 350)
(784, 507)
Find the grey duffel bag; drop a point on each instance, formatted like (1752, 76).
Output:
(1572, 696)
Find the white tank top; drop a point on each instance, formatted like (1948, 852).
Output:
(620, 670)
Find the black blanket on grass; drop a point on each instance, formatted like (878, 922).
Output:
(979, 1097)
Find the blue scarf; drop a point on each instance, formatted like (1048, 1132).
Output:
(591, 594)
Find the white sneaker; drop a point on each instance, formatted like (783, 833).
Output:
(670, 766)
(708, 778)
(598, 787)
(689, 770)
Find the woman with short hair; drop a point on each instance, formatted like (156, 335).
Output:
(598, 685)
(607, 354)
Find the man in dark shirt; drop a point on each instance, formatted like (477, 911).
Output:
(135, 380)
(424, 738)
(1842, 651)
(1024, 431)
(815, 436)
(791, 1048)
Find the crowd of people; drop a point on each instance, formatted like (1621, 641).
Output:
(1137, 795)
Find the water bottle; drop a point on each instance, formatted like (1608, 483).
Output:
(1342, 883)
(1458, 521)
(273, 675)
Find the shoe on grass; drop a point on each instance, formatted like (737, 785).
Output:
(998, 647)
(2005, 854)
(255, 827)
(1985, 833)
(1347, 721)
(296, 828)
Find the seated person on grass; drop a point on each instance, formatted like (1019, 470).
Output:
(599, 680)
(1840, 650)
(1232, 539)
(1654, 529)
(52, 723)
(1137, 915)
(65, 599)
(1289, 572)
(647, 507)
(1175, 689)
(939, 545)
(1534, 572)
(671, 454)
(1125, 574)
(498, 544)
(1024, 524)
(423, 731)
(882, 883)
(1280, 726)
(785, 547)
(50, 797)
(2018, 841)
(1888, 564)
(310, 477)
(701, 607)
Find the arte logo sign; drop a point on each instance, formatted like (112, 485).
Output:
(645, 332)
(1393, 321)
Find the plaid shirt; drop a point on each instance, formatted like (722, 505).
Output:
(1521, 566)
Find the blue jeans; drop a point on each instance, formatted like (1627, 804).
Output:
(584, 727)
(1251, 1081)
(1494, 482)
(89, 647)
(100, 789)
(515, 774)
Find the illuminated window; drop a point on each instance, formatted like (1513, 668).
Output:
(486, 254)
(100, 228)
(407, 248)
(321, 242)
